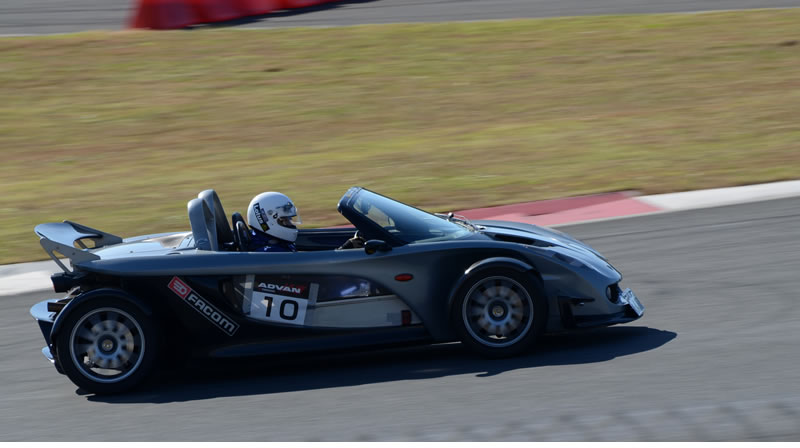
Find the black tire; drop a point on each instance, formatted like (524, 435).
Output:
(103, 336)
(499, 313)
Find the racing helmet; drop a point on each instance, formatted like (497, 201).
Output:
(272, 213)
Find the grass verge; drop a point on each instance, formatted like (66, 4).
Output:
(118, 130)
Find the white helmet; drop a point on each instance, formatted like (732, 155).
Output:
(272, 214)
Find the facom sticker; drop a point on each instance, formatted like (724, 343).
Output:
(199, 304)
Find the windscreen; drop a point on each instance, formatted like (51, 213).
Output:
(407, 223)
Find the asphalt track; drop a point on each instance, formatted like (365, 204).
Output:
(714, 358)
(65, 16)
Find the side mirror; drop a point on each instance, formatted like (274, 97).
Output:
(372, 246)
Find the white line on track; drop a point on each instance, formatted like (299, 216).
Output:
(717, 197)
(23, 283)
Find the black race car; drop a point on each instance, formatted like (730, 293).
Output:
(405, 277)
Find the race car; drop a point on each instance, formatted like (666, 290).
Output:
(415, 278)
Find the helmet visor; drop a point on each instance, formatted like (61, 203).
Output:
(288, 216)
(289, 221)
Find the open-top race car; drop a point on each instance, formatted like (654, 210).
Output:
(416, 278)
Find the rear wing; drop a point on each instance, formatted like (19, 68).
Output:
(62, 237)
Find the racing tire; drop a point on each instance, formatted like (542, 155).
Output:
(107, 346)
(499, 313)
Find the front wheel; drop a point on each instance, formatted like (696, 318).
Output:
(107, 346)
(499, 313)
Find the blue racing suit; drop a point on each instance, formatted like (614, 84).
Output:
(261, 242)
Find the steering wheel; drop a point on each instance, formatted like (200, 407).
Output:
(241, 236)
(356, 242)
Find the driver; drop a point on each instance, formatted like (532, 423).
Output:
(272, 228)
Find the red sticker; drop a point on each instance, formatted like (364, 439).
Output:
(180, 288)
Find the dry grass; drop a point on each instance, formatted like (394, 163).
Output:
(119, 130)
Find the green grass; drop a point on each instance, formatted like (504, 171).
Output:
(118, 130)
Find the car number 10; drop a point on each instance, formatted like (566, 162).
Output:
(275, 308)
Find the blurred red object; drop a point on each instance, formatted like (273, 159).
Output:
(174, 14)
(209, 11)
(164, 14)
(293, 4)
(257, 7)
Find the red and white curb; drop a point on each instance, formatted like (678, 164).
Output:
(607, 206)
(556, 212)
(29, 277)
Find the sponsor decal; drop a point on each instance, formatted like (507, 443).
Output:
(260, 217)
(278, 308)
(178, 287)
(289, 289)
(199, 304)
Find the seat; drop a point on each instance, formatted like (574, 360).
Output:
(199, 218)
(210, 227)
(224, 235)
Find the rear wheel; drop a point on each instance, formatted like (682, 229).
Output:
(499, 313)
(107, 346)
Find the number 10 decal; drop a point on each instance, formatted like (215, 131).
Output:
(276, 308)
(284, 306)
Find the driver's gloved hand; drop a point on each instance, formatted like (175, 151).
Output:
(353, 243)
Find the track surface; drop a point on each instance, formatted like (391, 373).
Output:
(714, 358)
(64, 16)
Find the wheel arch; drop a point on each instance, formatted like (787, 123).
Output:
(94, 295)
(492, 263)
